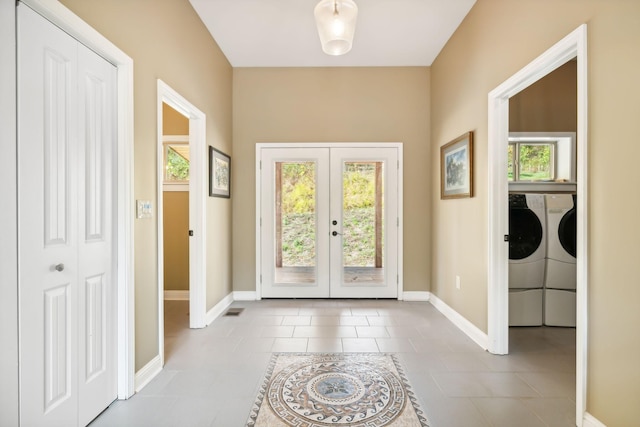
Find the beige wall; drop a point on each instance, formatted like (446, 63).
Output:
(548, 105)
(333, 105)
(173, 123)
(496, 39)
(167, 40)
(176, 240)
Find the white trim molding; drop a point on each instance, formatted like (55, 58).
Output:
(245, 296)
(9, 356)
(218, 309)
(591, 421)
(572, 46)
(148, 372)
(416, 296)
(471, 330)
(175, 138)
(57, 13)
(176, 295)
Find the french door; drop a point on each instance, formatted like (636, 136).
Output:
(329, 222)
(66, 202)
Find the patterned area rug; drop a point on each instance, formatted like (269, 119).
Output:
(340, 389)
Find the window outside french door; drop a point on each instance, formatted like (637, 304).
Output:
(329, 222)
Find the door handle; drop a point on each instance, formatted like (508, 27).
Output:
(59, 267)
(335, 233)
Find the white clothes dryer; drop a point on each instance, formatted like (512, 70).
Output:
(560, 277)
(561, 241)
(560, 307)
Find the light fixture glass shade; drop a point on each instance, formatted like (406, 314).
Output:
(336, 21)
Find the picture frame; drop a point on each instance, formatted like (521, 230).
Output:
(456, 168)
(219, 174)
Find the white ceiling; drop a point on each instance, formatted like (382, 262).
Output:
(282, 33)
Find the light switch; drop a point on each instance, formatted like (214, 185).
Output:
(143, 209)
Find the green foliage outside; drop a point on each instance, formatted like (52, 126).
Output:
(177, 166)
(298, 214)
(298, 239)
(298, 188)
(359, 248)
(534, 161)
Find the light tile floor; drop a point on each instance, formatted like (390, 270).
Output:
(211, 375)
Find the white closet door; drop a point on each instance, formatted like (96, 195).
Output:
(97, 280)
(65, 177)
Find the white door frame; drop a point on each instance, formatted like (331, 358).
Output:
(197, 210)
(81, 31)
(398, 145)
(572, 46)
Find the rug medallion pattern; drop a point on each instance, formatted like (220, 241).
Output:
(317, 390)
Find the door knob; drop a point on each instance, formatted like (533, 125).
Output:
(334, 233)
(59, 267)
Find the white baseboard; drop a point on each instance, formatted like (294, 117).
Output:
(244, 296)
(471, 330)
(178, 295)
(416, 296)
(147, 373)
(218, 309)
(591, 421)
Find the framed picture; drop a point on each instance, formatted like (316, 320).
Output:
(456, 168)
(219, 174)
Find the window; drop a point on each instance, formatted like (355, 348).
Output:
(541, 161)
(532, 161)
(176, 163)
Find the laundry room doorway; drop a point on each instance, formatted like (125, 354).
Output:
(329, 220)
(571, 48)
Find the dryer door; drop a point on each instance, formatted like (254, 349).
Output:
(567, 232)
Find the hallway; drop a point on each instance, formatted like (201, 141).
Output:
(211, 375)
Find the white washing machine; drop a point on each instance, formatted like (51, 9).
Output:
(527, 253)
(525, 307)
(560, 277)
(527, 241)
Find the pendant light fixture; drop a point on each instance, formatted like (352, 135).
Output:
(336, 21)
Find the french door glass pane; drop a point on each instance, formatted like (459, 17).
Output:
(295, 217)
(363, 222)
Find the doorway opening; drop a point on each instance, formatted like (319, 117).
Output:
(181, 207)
(175, 217)
(571, 47)
(329, 220)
